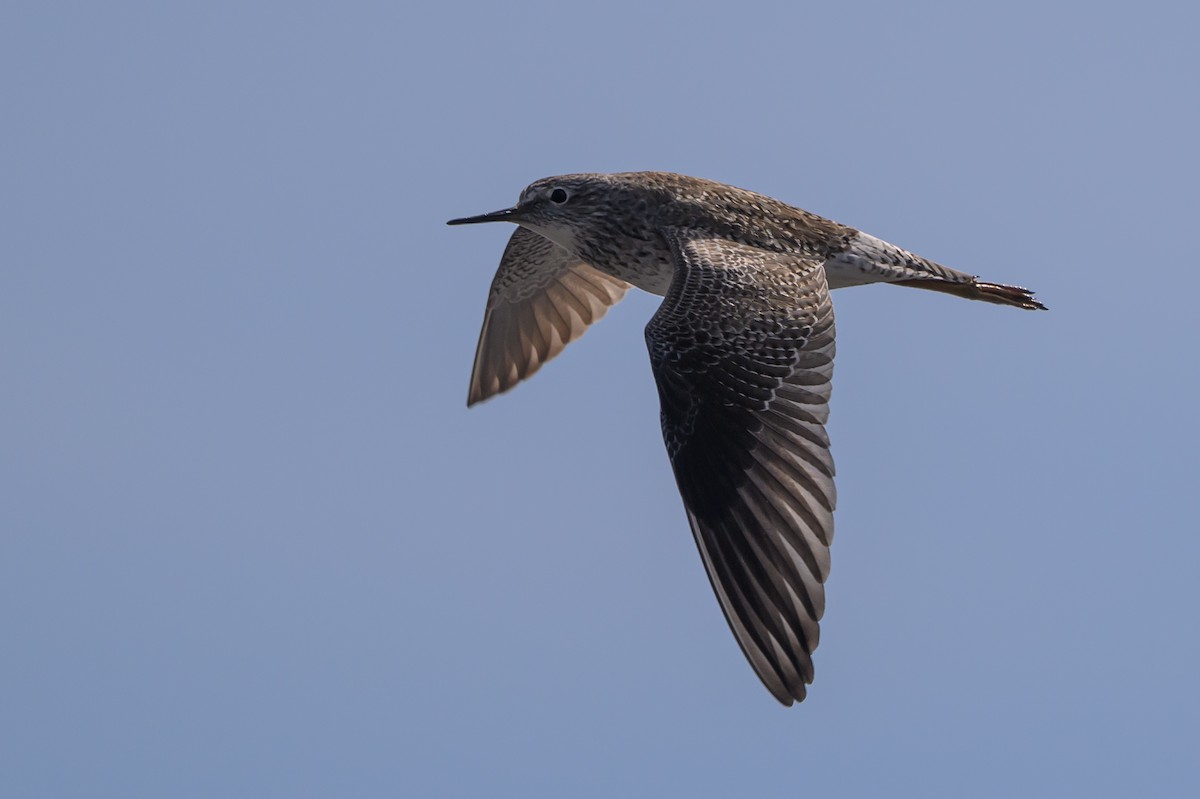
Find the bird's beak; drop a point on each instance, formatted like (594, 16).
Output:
(507, 215)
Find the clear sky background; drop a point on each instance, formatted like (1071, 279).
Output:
(252, 543)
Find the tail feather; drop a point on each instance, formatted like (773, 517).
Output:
(979, 290)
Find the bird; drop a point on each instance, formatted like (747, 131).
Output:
(741, 347)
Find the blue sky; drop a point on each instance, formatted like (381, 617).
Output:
(253, 544)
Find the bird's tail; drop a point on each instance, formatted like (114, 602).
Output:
(978, 290)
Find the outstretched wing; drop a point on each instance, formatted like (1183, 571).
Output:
(541, 299)
(742, 350)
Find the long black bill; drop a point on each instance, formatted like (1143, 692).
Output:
(507, 215)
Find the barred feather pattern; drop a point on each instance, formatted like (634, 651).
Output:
(542, 298)
(742, 350)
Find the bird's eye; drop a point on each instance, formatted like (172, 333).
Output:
(558, 196)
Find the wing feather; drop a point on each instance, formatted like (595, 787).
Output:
(541, 300)
(742, 350)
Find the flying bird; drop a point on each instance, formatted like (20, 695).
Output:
(742, 350)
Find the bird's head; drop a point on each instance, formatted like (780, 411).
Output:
(572, 210)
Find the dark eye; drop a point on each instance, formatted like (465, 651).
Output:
(558, 196)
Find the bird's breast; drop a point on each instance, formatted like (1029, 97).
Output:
(646, 264)
(642, 262)
(655, 279)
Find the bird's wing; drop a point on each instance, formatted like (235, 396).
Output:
(742, 350)
(541, 299)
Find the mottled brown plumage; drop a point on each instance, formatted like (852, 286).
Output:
(742, 351)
